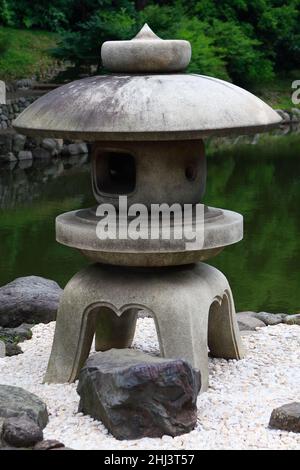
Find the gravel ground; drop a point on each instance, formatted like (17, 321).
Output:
(233, 414)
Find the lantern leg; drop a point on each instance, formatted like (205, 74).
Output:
(224, 338)
(192, 307)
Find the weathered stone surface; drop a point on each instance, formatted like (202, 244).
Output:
(13, 349)
(2, 349)
(16, 402)
(270, 318)
(137, 395)
(12, 336)
(77, 149)
(29, 299)
(286, 417)
(25, 155)
(292, 319)
(21, 432)
(18, 143)
(248, 321)
(50, 145)
(48, 444)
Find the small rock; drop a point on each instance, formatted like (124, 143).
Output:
(48, 444)
(16, 335)
(248, 321)
(25, 155)
(2, 349)
(137, 395)
(296, 113)
(16, 402)
(77, 149)
(12, 349)
(50, 145)
(286, 417)
(21, 432)
(270, 319)
(30, 299)
(284, 115)
(292, 319)
(18, 143)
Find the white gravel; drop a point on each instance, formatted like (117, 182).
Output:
(233, 414)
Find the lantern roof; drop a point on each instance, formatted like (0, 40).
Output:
(148, 97)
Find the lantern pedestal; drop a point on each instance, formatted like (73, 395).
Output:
(192, 307)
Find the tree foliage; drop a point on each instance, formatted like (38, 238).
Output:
(242, 40)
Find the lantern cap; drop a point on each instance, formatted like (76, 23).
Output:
(146, 52)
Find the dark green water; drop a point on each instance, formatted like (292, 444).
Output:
(260, 181)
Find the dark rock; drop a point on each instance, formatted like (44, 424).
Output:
(136, 395)
(50, 145)
(12, 336)
(270, 319)
(292, 319)
(48, 444)
(40, 152)
(18, 143)
(29, 299)
(247, 321)
(61, 448)
(78, 148)
(16, 402)
(16, 335)
(12, 349)
(21, 432)
(287, 417)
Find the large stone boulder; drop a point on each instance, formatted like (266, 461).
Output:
(247, 321)
(16, 402)
(286, 417)
(21, 432)
(137, 395)
(29, 299)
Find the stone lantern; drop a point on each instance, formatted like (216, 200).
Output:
(147, 120)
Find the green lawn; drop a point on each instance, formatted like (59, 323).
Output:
(278, 93)
(23, 53)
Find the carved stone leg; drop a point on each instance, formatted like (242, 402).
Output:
(223, 332)
(191, 305)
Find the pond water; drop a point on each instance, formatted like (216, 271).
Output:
(260, 181)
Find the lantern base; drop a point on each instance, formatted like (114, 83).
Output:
(192, 307)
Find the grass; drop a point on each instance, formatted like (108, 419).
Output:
(24, 53)
(278, 93)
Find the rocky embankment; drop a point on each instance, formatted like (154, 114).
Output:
(16, 147)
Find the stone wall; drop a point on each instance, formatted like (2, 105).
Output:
(9, 111)
(17, 147)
